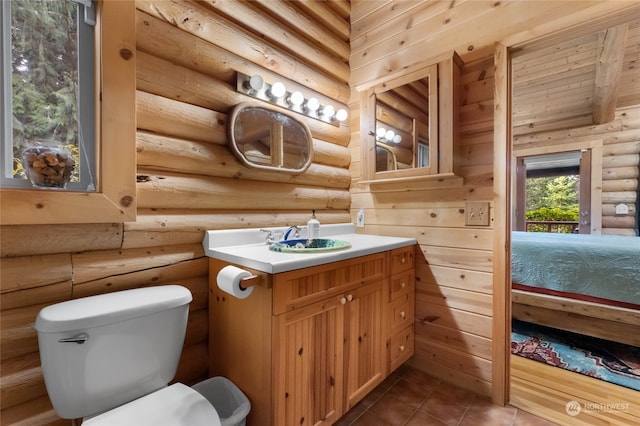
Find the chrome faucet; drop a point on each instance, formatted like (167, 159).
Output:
(293, 228)
(270, 239)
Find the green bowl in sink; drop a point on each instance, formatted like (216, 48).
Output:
(316, 245)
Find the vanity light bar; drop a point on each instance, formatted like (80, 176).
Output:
(386, 136)
(277, 94)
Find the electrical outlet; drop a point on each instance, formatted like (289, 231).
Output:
(622, 209)
(476, 213)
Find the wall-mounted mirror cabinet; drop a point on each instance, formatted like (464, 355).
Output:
(268, 139)
(409, 123)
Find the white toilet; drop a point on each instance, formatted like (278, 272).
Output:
(108, 359)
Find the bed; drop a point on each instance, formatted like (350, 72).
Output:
(588, 284)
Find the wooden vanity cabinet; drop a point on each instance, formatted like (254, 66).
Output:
(310, 343)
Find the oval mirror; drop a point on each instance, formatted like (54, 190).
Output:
(269, 139)
(385, 158)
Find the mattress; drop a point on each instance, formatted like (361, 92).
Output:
(598, 266)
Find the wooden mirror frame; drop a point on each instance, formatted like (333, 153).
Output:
(276, 133)
(443, 123)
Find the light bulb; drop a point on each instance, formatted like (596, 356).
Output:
(389, 135)
(278, 90)
(255, 83)
(342, 114)
(328, 111)
(381, 132)
(397, 139)
(296, 99)
(313, 104)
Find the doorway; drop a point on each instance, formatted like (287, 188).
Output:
(543, 391)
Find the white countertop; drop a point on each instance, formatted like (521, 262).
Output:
(247, 247)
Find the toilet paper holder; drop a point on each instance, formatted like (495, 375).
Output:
(250, 281)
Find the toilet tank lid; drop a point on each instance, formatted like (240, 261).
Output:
(109, 308)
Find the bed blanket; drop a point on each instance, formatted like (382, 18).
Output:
(604, 266)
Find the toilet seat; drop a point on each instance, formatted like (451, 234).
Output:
(175, 405)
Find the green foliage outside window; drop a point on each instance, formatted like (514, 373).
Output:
(553, 214)
(44, 67)
(553, 199)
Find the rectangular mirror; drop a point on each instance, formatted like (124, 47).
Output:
(408, 124)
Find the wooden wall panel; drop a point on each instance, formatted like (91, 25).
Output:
(248, 43)
(201, 158)
(469, 27)
(454, 269)
(162, 227)
(546, 390)
(189, 181)
(26, 240)
(629, 74)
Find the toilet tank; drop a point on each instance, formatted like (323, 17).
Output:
(102, 351)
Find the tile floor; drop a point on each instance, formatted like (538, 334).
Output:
(410, 397)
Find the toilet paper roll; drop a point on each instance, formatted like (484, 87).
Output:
(229, 280)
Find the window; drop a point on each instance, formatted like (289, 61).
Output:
(48, 89)
(553, 192)
(114, 198)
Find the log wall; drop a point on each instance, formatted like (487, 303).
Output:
(620, 160)
(188, 179)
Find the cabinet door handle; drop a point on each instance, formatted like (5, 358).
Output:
(343, 300)
(403, 285)
(401, 348)
(403, 260)
(402, 315)
(350, 297)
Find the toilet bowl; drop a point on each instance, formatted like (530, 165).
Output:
(174, 405)
(109, 359)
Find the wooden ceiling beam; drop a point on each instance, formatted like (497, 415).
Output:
(608, 69)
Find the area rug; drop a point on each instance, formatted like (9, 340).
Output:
(602, 359)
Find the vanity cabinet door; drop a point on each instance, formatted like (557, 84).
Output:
(364, 343)
(309, 364)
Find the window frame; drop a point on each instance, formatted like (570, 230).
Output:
(594, 180)
(115, 197)
(86, 103)
(584, 198)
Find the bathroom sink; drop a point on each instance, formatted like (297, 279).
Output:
(303, 245)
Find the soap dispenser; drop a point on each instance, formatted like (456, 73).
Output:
(313, 226)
